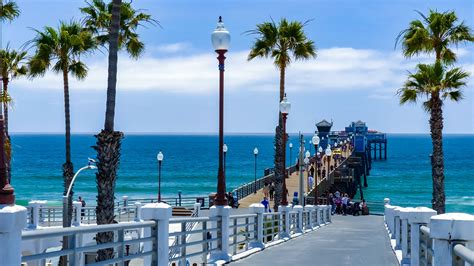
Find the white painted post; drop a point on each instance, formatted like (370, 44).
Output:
(404, 213)
(328, 213)
(417, 217)
(125, 204)
(12, 221)
(161, 214)
(221, 255)
(197, 208)
(258, 209)
(285, 213)
(310, 209)
(390, 219)
(447, 227)
(386, 201)
(77, 205)
(299, 209)
(35, 206)
(319, 210)
(398, 236)
(138, 211)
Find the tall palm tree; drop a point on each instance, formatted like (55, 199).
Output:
(435, 84)
(435, 34)
(12, 65)
(60, 50)
(284, 42)
(8, 10)
(115, 24)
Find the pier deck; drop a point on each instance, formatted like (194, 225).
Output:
(349, 240)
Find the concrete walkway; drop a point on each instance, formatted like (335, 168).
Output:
(349, 240)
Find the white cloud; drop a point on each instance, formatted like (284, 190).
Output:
(172, 47)
(334, 69)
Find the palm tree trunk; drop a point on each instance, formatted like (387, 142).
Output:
(8, 147)
(279, 148)
(436, 127)
(108, 144)
(68, 169)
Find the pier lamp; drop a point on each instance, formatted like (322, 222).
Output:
(220, 39)
(255, 152)
(328, 154)
(291, 148)
(224, 150)
(315, 140)
(159, 157)
(285, 108)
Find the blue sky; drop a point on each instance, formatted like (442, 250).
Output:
(173, 87)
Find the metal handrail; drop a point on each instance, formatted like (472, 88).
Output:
(464, 253)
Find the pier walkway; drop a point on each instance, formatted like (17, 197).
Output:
(349, 240)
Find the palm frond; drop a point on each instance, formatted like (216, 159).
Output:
(8, 11)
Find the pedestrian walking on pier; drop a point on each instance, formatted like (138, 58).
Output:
(272, 190)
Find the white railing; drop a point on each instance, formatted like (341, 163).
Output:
(80, 254)
(421, 237)
(154, 238)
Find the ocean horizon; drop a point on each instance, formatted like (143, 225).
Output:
(190, 166)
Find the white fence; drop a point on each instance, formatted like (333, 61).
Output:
(154, 238)
(420, 237)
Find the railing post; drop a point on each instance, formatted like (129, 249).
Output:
(221, 255)
(12, 221)
(445, 228)
(417, 217)
(35, 206)
(77, 207)
(138, 211)
(299, 209)
(398, 236)
(197, 208)
(404, 214)
(258, 209)
(319, 211)
(125, 201)
(327, 213)
(310, 209)
(390, 219)
(161, 214)
(285, 221)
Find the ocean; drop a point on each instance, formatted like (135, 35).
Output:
(190, 166)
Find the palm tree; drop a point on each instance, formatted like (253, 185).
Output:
(435, 33)
(97, 19)
(12, 65)
(8, 10)
(435, 84)
(114, 24)
(284, 42)
(60, 50)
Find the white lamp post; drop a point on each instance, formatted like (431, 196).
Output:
(255, 152)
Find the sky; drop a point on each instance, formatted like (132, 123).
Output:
(173, 87)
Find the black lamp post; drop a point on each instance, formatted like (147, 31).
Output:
(220, 41)
(159, 157)
(255, 152)
(285, 107)
(328, 155)
(291, 148)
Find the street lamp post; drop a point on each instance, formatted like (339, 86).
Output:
(291, 148)
(220, 40)
(224, 150)
(159, 157)
(66, 222)
(285, 107)
(255, 152)
(328, 154)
